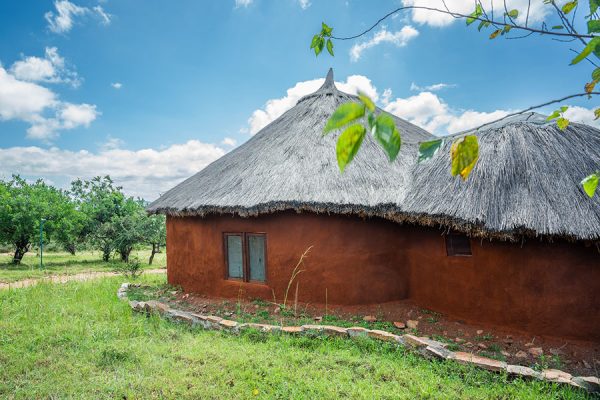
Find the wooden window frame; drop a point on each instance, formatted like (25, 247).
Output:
(245, 256)
(450, 248)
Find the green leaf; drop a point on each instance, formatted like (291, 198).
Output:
(568, 7)
(387, 135)
(366, 101)
(596, 74)
(590, 184)
(483, 24)
(558, 27)
(591, 46)
(474, 15)
(348, 144)
(315, 41)
(597, 113)
(428, 149)
(554, 115)
(343, 115)
(330, 46)
(593, 26)
(371, 120)
(564, 108)
(319, 46)
(506, 29)
(513, 13)
(326, 29)
(464, 154)
(594, 6)
(562, 123)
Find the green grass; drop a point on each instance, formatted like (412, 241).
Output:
(76, 340)
(62, 263)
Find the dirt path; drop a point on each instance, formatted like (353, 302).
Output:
(84, 276)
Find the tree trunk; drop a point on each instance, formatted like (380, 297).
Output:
(22, 247)
(106, 250)
(125, 254)
(154, 251)
(71, 248)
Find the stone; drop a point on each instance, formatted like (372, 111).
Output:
(481, 345)
(315, 328)
(276, 310)
(586, 364)
(505, 353)
(590, 383)
(228, 324)
(459, 340)
(536, 351)
(556, 375)
(153, 306)
(125, 286)
(521, 354)
(318, 319)
(525, 372)
(370, 318)
(291, 329)
(438, 352)
(400, 325)
(508, 339)
(133, 304)
(214, 319)
(180, 316)
(357, 331)
(262, 327)
(412, 324)
(482, 362)
(480, 332)
(335, 331)
(416, 341)
(382, 335)
(468, 344)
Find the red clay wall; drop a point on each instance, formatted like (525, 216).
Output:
(551, 289)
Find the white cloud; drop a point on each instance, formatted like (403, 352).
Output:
(37, 105)
(229, 142)
(430, 112)
(275, 107)
(50, 69)
(243, 3)
(116, 85)
(304, 4)
(582, 115)
(63, 19)
(22, 100)
(105, 17)
(538, 12)
(386, 96)
(145, 172)
(399, 38)
(432, 88)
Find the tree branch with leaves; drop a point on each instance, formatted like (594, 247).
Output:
(464, 151)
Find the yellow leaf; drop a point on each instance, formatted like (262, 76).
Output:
(589, 87)
(495, 33)
(464, 154)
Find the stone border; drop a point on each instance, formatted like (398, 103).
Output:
(428, 348)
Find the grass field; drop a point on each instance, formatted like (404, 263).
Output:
(62, 263)
(76, 340)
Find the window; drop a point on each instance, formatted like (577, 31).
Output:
(458, 245)
(245, 256)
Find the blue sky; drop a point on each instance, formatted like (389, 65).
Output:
(151, 91)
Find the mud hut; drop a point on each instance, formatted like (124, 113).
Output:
(516, 245)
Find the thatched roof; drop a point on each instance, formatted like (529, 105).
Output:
(290, 165)
(526, 181)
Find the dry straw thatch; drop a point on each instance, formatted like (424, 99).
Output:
(526, 182)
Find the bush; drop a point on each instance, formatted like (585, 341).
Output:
(131, 269)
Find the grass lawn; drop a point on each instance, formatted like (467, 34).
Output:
(76, 340)
(63, 263)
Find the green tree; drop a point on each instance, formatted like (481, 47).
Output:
(129, 227)
(22, 208)
(156, 234)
